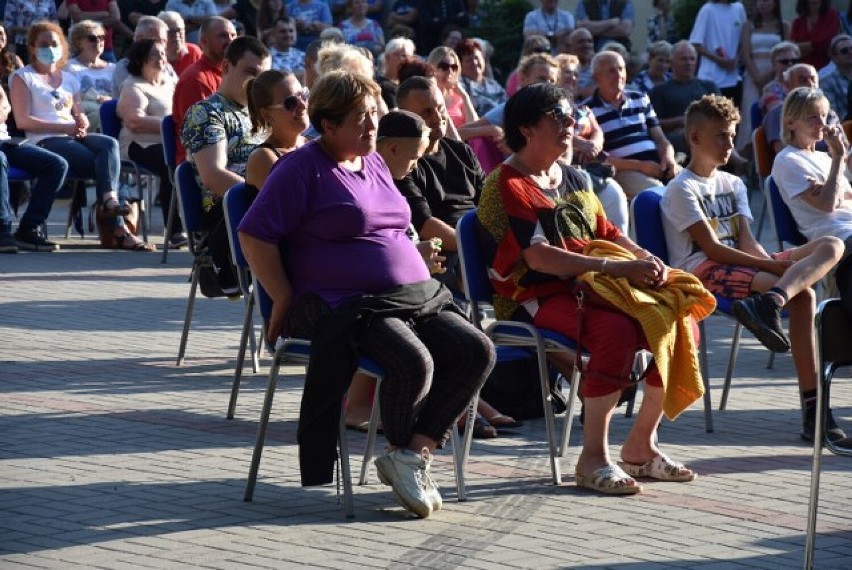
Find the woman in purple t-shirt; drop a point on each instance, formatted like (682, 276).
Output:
(332, 208)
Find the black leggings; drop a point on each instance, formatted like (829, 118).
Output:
(151, 157)
(432, 369)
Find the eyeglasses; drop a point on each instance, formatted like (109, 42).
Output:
(790, 61)
(291, 102)
(446, 66)
(561, 115)
(541, 49)
(96, 38)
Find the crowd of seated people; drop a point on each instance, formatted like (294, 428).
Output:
(238, 80)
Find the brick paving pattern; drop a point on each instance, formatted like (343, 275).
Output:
(112, 457)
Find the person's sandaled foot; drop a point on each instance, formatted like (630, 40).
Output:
(609, 480)
(501, 421)
(661, 468)
(481, 429)
(113, 208)
(133, 243)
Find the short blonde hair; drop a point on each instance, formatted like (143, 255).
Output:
(335, 56)
(798, 105)
(438, 54)
(529, 61)
(80, 30)
(336, 93)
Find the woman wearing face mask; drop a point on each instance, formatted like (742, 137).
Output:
(46, 102)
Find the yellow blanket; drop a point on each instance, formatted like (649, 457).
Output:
(663, 315)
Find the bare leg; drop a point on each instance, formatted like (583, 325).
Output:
(812, 261)
(640, 446)
(595, 452)
(359, 399)
(801, 309)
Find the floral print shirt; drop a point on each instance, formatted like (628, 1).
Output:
(24, 13)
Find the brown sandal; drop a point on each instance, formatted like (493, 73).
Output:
(112, 207)
(133, 243)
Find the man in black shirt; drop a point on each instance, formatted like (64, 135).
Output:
(448, 178)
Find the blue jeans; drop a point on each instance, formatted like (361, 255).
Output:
(5, 207)
(93, 156)
(49, 171)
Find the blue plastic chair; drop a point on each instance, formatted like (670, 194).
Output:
(236, 204)
(755, 115)
(111, 127)
(167, 135)
(190, 204)
(508, 336)
(786, 229)
(646, 210)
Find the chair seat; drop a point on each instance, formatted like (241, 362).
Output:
(553, 340)
(299, 351)
(725, 305)
(18, 175)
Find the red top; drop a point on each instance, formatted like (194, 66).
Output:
(192, 55)
(820, 36)
(96, 6)
(198, 82)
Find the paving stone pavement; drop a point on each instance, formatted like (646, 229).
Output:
(113, 457)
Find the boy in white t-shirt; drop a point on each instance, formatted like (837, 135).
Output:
(706, 219)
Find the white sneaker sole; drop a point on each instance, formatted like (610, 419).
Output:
(415, 508)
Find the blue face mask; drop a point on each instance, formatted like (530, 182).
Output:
(49, 55)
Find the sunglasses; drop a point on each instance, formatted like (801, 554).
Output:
(96, 38)
(562, 116)
(542, 49)
(844, 51)
(291, 102)
(444, 66)
(791, 61)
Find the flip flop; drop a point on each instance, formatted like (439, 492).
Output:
(363, 427)
(661, 468)
(609, 480)
(481, 429)
(498, 421)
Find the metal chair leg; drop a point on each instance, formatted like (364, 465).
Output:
(169, 221)
(343, 457)
(770, 363)
(705, 375)
(549, 418)
(570, 412)
(372, 432)
(241, 355)
(187, 319)
(461, 450)
(261, 428)
(732, 360)
(816, 468)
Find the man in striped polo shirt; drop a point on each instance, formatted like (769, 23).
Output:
(636, 145)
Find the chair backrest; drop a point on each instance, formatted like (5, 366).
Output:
(236, 204)
(847, 129)
(477, 286)
(167, 134)
(110, 121)
(189, 198)
(756, 115)
(834, 329)
(647, 216)
(763, 155)
(782, 218)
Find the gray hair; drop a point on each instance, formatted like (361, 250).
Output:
(683, 44)
(781, 47)
(798, 105)
(788, 73)
(603, 56)
(171, 17)
(400, 43)
(661, 47)
(618, 48)
(148, 27)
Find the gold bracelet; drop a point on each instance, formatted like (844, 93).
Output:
(603, 266)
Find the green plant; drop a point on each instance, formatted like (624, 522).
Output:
(685, 12)
(502, 25)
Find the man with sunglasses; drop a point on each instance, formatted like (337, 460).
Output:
(835, 84)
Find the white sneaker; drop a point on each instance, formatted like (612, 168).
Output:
(405, 472)
(432, 492)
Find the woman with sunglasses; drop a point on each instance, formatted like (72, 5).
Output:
(783, 56)
(278, 105)
(537, 216)
(146, 97)
(93, 72)
(447, 73)
(46, 102)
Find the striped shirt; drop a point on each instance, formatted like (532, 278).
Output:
(627, 129)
